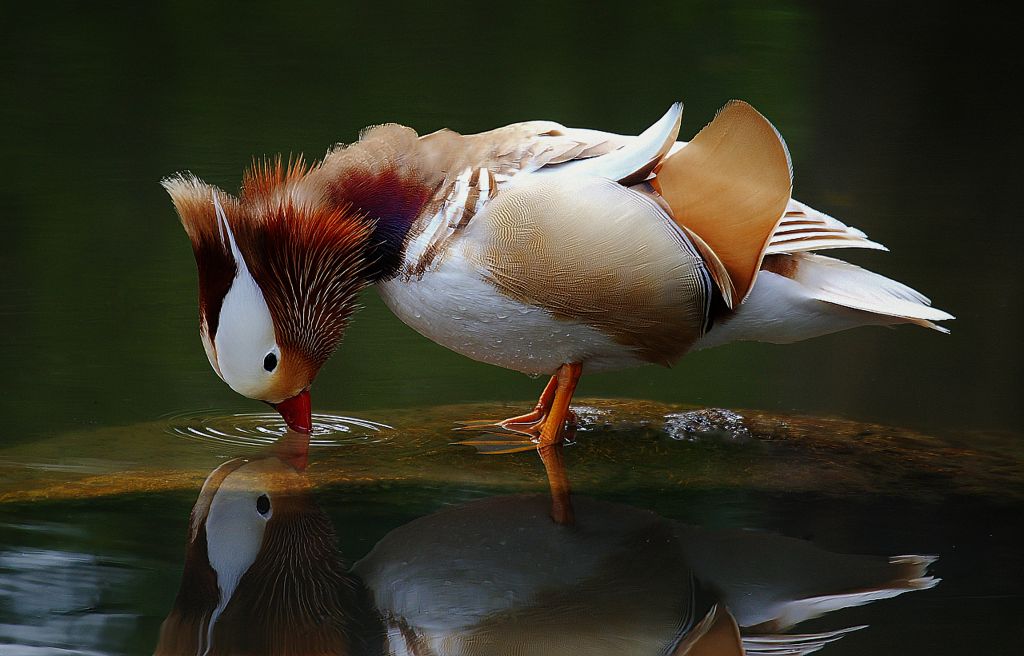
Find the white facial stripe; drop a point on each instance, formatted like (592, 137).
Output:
(245, 333)
(225, 227)
(244, 337)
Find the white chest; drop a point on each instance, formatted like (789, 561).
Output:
(454, 305)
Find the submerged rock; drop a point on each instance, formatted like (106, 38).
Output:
(621, 445)
(711, 422)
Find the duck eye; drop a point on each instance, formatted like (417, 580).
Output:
(270, 362)
(263, 504)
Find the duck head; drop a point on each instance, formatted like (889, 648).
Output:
(280, 268)
(262, 573)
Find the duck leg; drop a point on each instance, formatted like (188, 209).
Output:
(542, 429)
(550, 442)
(515, 434)
(524, 424)
(529, 421)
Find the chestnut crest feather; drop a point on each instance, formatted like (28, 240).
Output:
(310, 255)
(295, 249)
(305, 256)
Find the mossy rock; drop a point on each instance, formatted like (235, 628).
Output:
(620, 445)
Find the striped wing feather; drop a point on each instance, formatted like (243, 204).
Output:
(804, 228)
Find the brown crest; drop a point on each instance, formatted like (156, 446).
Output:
(307, 255)
(193, 199)
(311, 236)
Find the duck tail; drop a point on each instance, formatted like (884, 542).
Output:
(802, 295)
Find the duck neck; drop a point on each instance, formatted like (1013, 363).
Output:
(390, 199)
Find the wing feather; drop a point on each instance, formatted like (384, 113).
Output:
(731, 185)
(804, 228)
(588, 249)
(633, 161)
(794, 644)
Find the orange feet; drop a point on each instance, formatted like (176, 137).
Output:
(528, 425)
(543, 429)
(550, 447)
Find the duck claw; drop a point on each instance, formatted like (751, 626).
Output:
(481, 425)
(528, 429)
(470, 423)
(493, 444)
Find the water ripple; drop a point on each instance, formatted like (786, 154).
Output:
(262, 429)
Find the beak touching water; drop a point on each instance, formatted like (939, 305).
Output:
(297, 412)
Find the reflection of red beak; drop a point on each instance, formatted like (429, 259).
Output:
(293, 449)
(297, 412)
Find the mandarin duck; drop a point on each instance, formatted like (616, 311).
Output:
(536, 247)
(263, 575)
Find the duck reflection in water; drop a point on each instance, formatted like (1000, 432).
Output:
(263, 575)
(262, 571)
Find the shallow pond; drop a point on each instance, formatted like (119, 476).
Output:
(112, 418)
(96, 525)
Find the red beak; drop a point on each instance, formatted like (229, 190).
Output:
(297, 412)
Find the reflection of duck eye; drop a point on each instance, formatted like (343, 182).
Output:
(263, 505)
